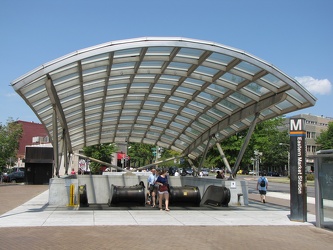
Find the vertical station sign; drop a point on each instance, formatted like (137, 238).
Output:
(298, 195)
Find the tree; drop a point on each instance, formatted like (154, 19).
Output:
(141, 154)
(266, 138)
(10, 135)
(102, 152)
(325, 139)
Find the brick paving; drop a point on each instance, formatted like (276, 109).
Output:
(143, 237)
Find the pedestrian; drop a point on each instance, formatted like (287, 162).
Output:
(152, 187)
(73, 171)
(163, 190)
(218, 175)
(262, 185)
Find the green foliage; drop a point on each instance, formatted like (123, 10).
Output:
(310, 177)
(102, 152)
(141, 154)
(266, 138)
(325, 140)
(10, 134)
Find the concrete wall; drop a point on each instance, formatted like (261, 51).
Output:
(99, 186)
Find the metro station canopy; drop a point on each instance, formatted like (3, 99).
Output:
(167, 91)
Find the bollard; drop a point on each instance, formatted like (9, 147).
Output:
(71, 195)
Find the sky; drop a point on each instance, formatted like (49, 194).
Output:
(296, 36)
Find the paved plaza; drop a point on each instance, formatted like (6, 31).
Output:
(28, 221)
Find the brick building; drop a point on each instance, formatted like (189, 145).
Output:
(33, 134)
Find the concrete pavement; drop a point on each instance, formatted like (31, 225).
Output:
(38, 225)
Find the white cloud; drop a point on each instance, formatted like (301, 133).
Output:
(315, 86)
(12, 94)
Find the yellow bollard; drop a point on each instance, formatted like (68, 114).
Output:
(71, 195)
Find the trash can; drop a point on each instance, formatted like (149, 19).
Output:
(216, 196)
(83, 196)
(132, 195)
(187, 195)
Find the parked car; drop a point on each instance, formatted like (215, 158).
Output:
(205, 172)
(187, 172)
(273, 173)
(17, 176)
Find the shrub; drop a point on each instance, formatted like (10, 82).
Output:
(310, 177)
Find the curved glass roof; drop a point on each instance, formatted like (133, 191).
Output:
(167, 91)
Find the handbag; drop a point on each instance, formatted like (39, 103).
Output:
(163, 188)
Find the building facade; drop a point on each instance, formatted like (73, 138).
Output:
(33, 134)
(314, 125)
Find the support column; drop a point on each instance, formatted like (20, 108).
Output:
(225, 161)
(55, 142)
(246, 142)
(204, 154)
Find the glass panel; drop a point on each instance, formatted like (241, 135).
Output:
(151, 134)
(232, 78)
(151, 64)
(126, 65)
(228, 105)
(181, 144)
(296, 95)
(167, 137)
(194, 82)
(156, 128)
(207, 96)
(248, 68)
(127, 118)
(186, 138)
(182, 118)
(206, 71)
(152, 103)
(144, 118)
(162, 51)
(127, 53)
(178, 125)
(172, 132)
(217, 88)
(159, 120)
(65, 78)
(185, 90)
(266, 112)
(199, 125)
(197, 105)
(140, 85)
(256, 88)
(208, 118)
(165, 114)
(163, 86)
(177, 99)
(273, 80)
(179, 66)
(171, 106)
(96, 58)
(241, 98)
(190, 53)
(190, 111)
(284, 105)
(217, 112)
(219, 58)
(193, 131)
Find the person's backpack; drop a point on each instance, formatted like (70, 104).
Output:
(263, 182)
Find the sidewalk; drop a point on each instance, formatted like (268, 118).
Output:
(37, 225)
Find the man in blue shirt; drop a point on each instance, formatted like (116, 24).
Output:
(262, 185)
(152, 186)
